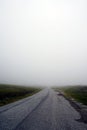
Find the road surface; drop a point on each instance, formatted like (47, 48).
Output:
(45, 110)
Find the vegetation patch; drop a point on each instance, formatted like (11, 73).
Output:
(79, 93)
(11, 93)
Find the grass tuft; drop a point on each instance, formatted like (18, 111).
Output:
(79, 93)
(11, 93)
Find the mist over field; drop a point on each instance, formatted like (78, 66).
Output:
(43, 42)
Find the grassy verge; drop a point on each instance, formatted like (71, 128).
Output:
(11, 93)
(79, 93)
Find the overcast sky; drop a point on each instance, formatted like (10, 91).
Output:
(43, 42)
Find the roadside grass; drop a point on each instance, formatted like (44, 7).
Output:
(78, 93)
(12, 93)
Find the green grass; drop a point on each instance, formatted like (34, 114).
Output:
(79, 93)
(11, 93)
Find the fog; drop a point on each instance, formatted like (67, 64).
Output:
(43, 42)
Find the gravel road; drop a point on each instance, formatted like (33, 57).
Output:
(45, 110)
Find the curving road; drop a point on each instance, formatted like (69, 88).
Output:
(45, 110)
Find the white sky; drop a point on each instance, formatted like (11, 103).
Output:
(43, 42)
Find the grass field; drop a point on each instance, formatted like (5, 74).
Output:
(11, 93)
(79, 93)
